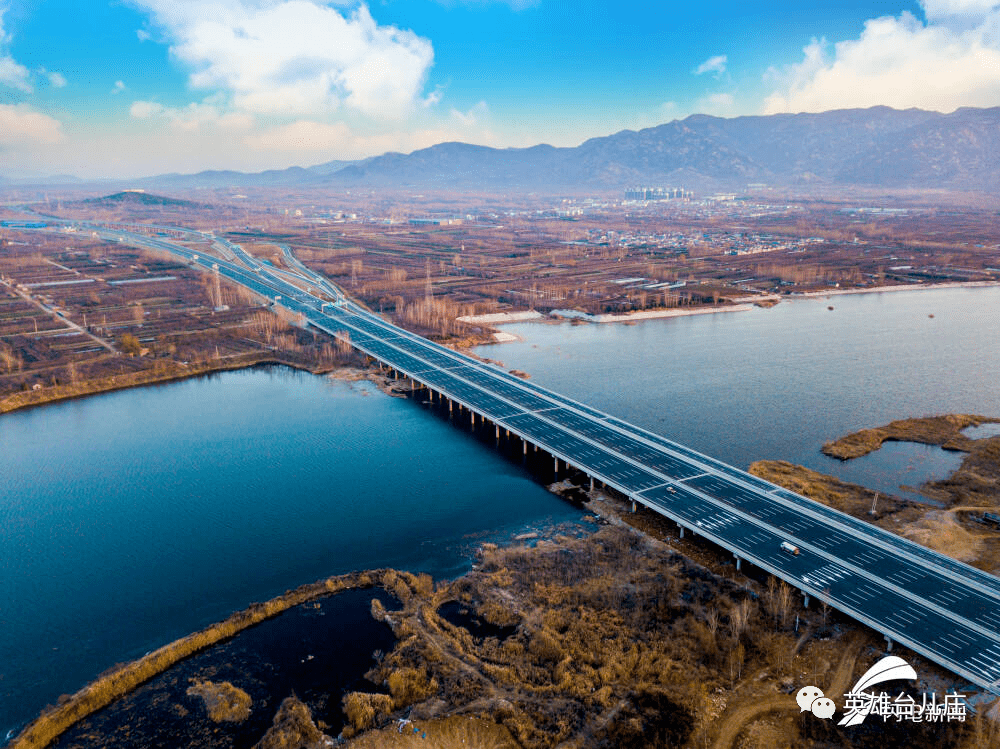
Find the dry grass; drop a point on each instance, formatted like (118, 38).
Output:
(618, 642)
(942, 532)
(123, 679)
(293, 728)
(931, 430)
(850, 498)
(446, 733)
(224, 702)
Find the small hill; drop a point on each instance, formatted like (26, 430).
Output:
(134, 198)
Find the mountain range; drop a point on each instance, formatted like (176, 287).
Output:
(878, 147)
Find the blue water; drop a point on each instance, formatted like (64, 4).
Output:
(982, 431)
(129, 519)
(132, 518)
(778, 383)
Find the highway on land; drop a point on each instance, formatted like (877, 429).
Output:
(947, 611)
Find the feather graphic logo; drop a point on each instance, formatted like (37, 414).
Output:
(859, 705)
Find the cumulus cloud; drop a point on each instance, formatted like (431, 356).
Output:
(20, 125)
(296, 57)
(940, 9)
(57, 79)
(951, 60)
(715, 65)
(12, 74)
(119, 87)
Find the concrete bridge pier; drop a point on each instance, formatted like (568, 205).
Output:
(738, 563)
(888, 646)
(682, 530)
(633, 505)
(805, 600)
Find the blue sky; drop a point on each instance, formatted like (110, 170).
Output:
(135, 87)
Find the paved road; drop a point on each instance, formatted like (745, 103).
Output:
(941, 608)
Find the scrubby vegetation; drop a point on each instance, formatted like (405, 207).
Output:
(932, 430)
(293, 728)
(619, 641)
(223, 701)
(123, 678)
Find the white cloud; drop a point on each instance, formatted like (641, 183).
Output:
(900, 62)
(940, 9)
(715, 65)
(143, 35)
(474, 116)
(119, 87)
(194, 117)
(57, 79)
(12, 74)
(719, 105)
(296, 57)
(20, 125)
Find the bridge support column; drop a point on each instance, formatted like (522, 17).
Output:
(633, 505)
(738, 562)
(498, 434)
(682, 530)
(555, 462)
(888, 647)
(591, 483)
(524, 444)
(449, 405)
(805, 600)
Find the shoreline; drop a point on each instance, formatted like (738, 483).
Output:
(898, 287)
(60, 393)
(740, 304)
(124, 678)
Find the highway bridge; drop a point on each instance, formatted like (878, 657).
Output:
(947, 611)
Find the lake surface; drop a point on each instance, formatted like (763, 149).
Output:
(132, 518)
(778, 383)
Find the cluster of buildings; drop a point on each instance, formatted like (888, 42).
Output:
(657, 193)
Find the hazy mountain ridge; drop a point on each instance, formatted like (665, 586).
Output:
(877, 147)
